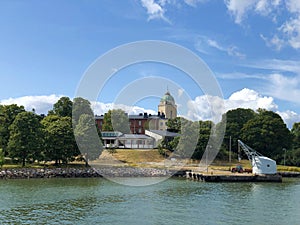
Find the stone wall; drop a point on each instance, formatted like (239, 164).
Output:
(25, 173)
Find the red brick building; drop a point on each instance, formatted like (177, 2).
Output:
(139, 123)
(167, 109)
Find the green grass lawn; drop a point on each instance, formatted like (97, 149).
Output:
(138, 157)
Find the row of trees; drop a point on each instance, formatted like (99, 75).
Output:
(29, 137)
(264, 130)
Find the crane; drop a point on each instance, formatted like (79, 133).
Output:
(260, 164)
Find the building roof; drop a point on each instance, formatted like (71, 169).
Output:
(138, 116)
(165, 133)
(111, 133)
(134, 136)
(168, 98)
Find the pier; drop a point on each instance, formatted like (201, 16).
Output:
(233, 177)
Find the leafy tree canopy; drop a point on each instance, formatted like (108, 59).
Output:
(235, 120)
(267, 133)
(63, 107)
(80, 106)
(26, 137)
(87, 138)
(296, 135)
(60, 144)
(116, 120)
(8, 114)
(174, 125)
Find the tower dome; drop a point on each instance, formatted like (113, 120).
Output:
(168, 98)
(167, 106)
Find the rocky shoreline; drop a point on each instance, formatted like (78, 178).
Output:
(28, 173)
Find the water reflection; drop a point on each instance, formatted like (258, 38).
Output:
(174, 201)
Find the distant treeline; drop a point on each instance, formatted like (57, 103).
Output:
(28, 137)
(263, 130)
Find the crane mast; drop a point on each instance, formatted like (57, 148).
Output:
(260, 164)
(250, 152)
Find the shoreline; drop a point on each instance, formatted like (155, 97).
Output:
(34, 173)
(107, 171)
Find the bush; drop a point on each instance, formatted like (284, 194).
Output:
(161, 150)
(112, 150)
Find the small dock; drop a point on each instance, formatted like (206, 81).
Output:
(233, 177)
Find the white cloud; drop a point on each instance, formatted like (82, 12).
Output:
(205, 108)
(266, 7)
(233, 51)
(180, 92)
(203, 43)
(155, 10)
(275, 42)
(293, 6)
(239, 8)
(42, 104)
(291, 31)
(100, 108)
(214, 44)
(247, 98)
(289, 117)
(287, 34)
(278, 65)
(285, 88)
(194, 3)
(201, 107)
(198, 109)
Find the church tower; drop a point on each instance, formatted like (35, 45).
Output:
(167, 106)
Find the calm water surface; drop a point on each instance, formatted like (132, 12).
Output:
(174, 201)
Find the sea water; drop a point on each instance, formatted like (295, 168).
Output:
(173, 201)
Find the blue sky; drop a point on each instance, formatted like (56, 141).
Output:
(251, 46)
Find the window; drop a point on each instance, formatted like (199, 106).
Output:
(140, 123)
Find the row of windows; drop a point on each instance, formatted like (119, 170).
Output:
(139, 123)
(131, 123)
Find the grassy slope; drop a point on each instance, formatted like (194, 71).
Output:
(136, 157)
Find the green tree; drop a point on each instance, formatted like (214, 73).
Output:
(26, 137)
(296, 135)
(107, 124)
(2, 159)
(8, 114)
(60, 144)
(120, 121)
(268, 134)
(293, 155)
(63, 107)
(188, 140)
(80, 106)
(204, 134)
(235, 120)
(87, 138)
(116, 120)
(174, 125)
